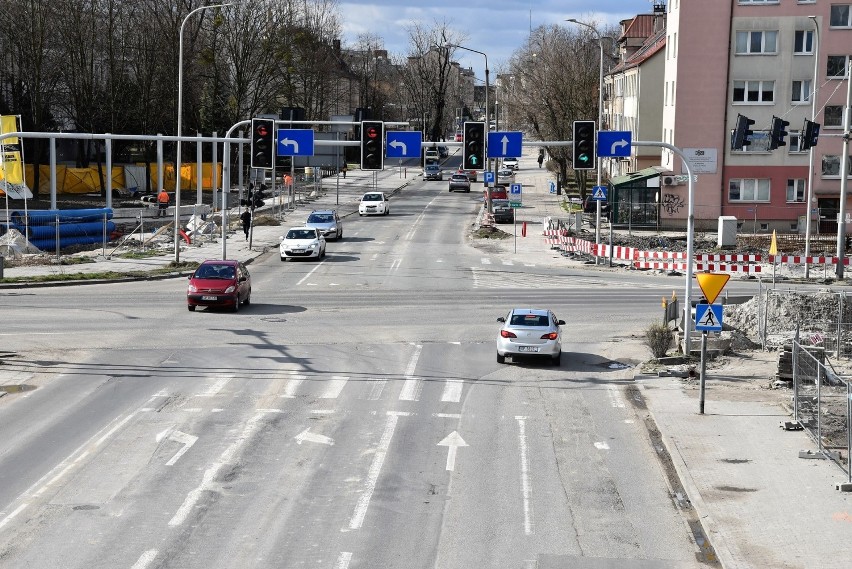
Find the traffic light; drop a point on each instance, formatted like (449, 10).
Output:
(742, 133)
(257, 198)
(473, 145)
(372, 138)
(777, 133)
(810, 135)
(262, 143)
(584, 145)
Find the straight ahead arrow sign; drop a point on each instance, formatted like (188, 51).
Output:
(505, 141)
(454, 441)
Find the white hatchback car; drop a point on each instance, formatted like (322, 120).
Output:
(302, 243)
(374, 203)
(530, 332)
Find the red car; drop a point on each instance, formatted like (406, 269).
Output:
(219, 283)
(471, 174)
(497, 193)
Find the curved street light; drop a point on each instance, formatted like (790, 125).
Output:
(179, 120)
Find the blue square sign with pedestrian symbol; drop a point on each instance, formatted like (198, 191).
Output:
(708, 317)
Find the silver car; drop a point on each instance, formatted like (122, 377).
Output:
(530, 332)
(328, 222)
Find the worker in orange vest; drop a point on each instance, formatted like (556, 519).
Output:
(163, 203)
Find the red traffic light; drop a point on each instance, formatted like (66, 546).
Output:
(372, 132)
(262, 130)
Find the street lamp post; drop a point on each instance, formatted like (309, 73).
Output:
(810, 193)
(600, 120)
(488, 206)
(179, 121)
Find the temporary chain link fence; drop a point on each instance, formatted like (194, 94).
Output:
(822, 404)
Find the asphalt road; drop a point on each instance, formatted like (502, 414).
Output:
(353, 416)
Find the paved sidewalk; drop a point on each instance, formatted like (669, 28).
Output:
(761, 506)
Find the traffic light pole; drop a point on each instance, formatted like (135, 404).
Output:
(844, 174)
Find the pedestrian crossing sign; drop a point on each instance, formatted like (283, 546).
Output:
(599, 193)
(708, 317)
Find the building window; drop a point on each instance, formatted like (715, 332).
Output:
(757, 42)
(831, 166)
(754, 91)
(759, 142)
(833, 116)
(804, 42)
(748, 190)
(801, 91)
(840, 16)
(837, 66)
(746, 2)
(793, 141)
(796, 190)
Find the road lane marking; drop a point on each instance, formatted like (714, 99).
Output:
(375, 469)
(452, 390)
(209, 476)
(374, 257)
(293, 385)
(335, 386)
(378, 386)
(602, 446)
(453, 441)
(411, 388)
(508, 262)
(526, 488)
(614, 397)
(447, 415)
(214, 389)
(11, 516)
(322, 411)
(304, 278)
(113, 430)
(179, 437)
(343, 560)
(307, 435)
(145, 559)
(486, 261)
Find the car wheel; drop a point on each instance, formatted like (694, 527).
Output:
(190, 307)
(360, 214)
(322, 253)
(248, 299)
(283, 259)
(501, 359)
(556, 360)
(237, 304)
(387, 212)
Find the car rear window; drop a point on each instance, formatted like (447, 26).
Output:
(530, 320)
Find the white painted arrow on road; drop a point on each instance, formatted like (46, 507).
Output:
(399, 144)
(454, 441)
(306, 435)
(179, 437)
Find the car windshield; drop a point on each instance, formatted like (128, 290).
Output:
(301, 234)
(372, 198)
(529, 320)
(215, 272)
(320, 218)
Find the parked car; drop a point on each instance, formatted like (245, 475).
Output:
(591, 206)
(530, 332)
(505, 175)
(433, 172)
(431, 156)
(503, 211)
(511, 163)
(219, 283)
(497, 193)
(459, 183)
(328, 222)
(471, 174)
(302, 243)
(443, 151)
(374, 203)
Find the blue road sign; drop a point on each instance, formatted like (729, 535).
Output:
(599, 193)
(614, 142)
(708, 317)
(552, 187)
(515, 189)
(295, 142)
(403, 143)
(504, 144)
(488, 177)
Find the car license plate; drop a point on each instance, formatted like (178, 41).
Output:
(527, 348)
(298, 250)
(209, 298)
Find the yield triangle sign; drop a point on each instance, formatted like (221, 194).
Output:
(711, 284)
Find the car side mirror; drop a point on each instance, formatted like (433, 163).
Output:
(561, 322)
(501, 319)
(281, 238)
(189, 278)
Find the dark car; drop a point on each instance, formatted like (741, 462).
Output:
(459, 183)
(433, 172)
(591, 206)
(219, 283)
(443, 151)
(503, 211)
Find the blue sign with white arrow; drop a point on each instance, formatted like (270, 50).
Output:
(403, 143)
(504, 144)
(295, 142)
(708, 317)
(614, 142)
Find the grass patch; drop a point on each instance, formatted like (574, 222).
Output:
(105, 275)
(143, 254)
(486, 232)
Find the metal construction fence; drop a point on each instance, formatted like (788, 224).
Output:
(822, 404)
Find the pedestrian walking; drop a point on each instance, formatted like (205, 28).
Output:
(343, 169)
(540, 159)
(162, 203)
(246, 219)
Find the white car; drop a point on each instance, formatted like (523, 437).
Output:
(302, 243)
(511, 163)
(374, 203)
(530, 332)
(505, 176)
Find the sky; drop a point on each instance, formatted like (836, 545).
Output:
(495, 27)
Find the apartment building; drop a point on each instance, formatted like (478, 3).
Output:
(757, 58)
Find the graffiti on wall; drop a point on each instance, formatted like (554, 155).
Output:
(672, 203)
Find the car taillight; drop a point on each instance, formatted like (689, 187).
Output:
(507, 334)
(551, 336)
